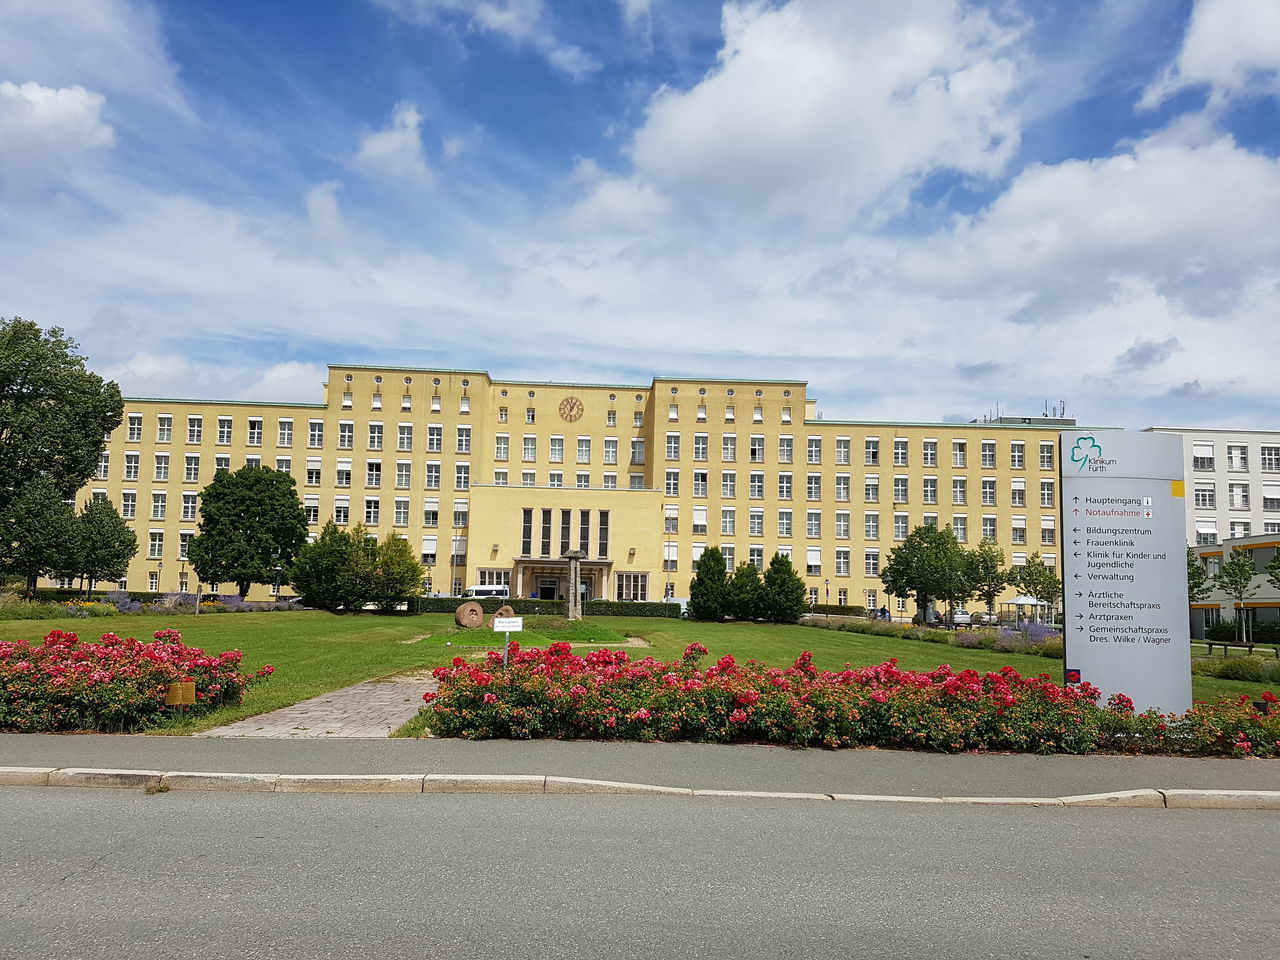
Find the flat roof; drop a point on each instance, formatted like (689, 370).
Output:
(226, 403)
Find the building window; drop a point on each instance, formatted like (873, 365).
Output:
(842, 451)
(435, 438)
(929, 454)
(135, 428)
(254, 437)
(813, 486)
(1018, 493)
(673, 411)
(582, 481)
(404, 470)
(728, 521)
(528, 478)
(131, 466)
(341, 511)
(756, 449)
(842, 524)
(700, 446)
(464, 440)
(989, 454)
(128, 505)
(755, 557)
(842, 564)
(729, 448)
(673, 446)
(284, 433)
(556, 454)
(699, 527)
(155, 547)
(346, 435)
(1047, 498)
(1240, 528)
(312, 510)
(755, 523)
(900, 452)
(433, 476)
(872, 451)
(672, 486)
(871, 563)
(159, 504)
(785, 450)
(1269, 459)
(930, 494)
(900, 489)
(611, 418)
(164, 428)
(610, 481)
(1205, 496)
(191, 471)
(404, 437)
(188, 506)
(1046, 455)
(901, 523)
(633, 586)
(699, 483)
(1238, 496)
(728, 484)
(584, 450)
(162, 466)
(813, 523)
(284, 464)
(195, 429)
(499, 478)
(784, 523)
(1019, 530)
(1017, 454)
(988, 493)
(755, 485)
(375, 436)
(871, 525)
(221, 461)
(959, 453)
(502, 414)
(988, 528)
(813, 568)
(959, 490)
(1237, 457)
(1048, 532)
(610, 451)
(842, 487)
(555, 478)
(814, 450)
(462, 476)
(960, 527)
(784, 486)
(104, 465)
(637, 451)
(637, 419)
(373, 473)
(372, 511)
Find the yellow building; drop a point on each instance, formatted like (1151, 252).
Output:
(494, 480)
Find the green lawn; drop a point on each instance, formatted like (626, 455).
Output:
(315, 652)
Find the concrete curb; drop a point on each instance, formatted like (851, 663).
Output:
(439, 783)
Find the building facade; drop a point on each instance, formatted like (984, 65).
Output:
(494, 480)
(1263, 603)
(1233, 483)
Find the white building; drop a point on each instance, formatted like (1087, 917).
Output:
(1233, 482)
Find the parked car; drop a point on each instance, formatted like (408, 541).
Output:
(986, 619)
(961, 618)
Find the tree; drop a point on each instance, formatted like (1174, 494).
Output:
(1038, 580)
(987, 573)
(783, 597)
(358, 584)
(104, 544)
(708, 590)
(38, 533)
(743, 592)
(1235, 579)
(1273, 571)
(1197, 578)
(399, 574)
(929, 564)
(318, 570)
(53, 412)
(250, 520)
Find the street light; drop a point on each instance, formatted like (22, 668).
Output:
(159, 571)
(827, 584)
(278, 569)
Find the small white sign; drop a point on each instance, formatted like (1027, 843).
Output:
(508, 624)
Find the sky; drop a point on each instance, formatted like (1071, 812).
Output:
(931, 210)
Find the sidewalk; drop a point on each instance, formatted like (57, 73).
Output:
(697, 766)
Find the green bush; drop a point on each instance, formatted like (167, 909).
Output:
(1050, 648)
(1243, 668)
(616, 608)
(835, 610)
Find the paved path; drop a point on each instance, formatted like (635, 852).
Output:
(371, 709)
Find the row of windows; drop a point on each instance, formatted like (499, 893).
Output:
(813, 524)
(1207, 529)
(813, 566)
(1204, 458)
(870, 489)
(1205, 495)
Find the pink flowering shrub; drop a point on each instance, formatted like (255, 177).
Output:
(606, 695)
(65, 683)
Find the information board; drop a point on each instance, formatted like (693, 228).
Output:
(1124, 566)
(508, 624)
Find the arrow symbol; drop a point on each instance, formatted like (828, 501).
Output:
(1076, 511)
(1076, 553)
(1075, 499)
(1081, 629)
(1076, 542)
(1079, 616)
(1075, 529)
(1079, 594)
(1077, 576)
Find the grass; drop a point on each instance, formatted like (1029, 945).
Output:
(315, 652)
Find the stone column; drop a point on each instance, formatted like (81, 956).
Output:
(575, 558)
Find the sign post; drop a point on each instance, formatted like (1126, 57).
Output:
(1124, 567)
(509, 625)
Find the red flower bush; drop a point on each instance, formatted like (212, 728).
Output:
(606, 695)
(64, 683)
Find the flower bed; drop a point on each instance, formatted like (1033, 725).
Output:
(554, 693)
(115, 684)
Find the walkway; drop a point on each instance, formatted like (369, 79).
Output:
(364, 710)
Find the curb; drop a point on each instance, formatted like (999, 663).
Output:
(440, 783)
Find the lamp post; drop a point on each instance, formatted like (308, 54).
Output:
(278, 570)
(159, 572)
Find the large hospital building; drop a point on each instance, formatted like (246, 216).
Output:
(492, 481)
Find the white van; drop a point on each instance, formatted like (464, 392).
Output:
(479, 593)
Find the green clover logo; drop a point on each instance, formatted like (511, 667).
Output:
(1085, 448)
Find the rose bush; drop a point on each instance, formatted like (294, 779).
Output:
(114, 684)
(554, 693)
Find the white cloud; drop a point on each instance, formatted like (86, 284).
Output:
(396, 152)
(1231, 45)
(826, 109)
(43, 131)
(615, 204)
(322, 210)
(290, 381)
(115, 46)
(523, 22)
(635, 11)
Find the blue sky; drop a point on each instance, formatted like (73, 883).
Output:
(926, 208)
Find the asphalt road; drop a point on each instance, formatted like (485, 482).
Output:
(96, 873)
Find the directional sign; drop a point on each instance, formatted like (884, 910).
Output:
(1125, 575)
(508, 624)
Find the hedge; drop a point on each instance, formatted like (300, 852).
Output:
(1226, 631)
(552, 608)
(836, 610)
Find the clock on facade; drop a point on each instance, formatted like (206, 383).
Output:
(571, 409)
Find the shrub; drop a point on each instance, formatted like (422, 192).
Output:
(1242, 668)
(112, 685)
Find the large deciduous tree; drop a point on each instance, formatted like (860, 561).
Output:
(37, 533)
(399, 574)
(1039, 581)
(929, 565)
(987, 573)
(709, 587)
(104, 544)
(1235, 579)
(250, 521)
(53, 412)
